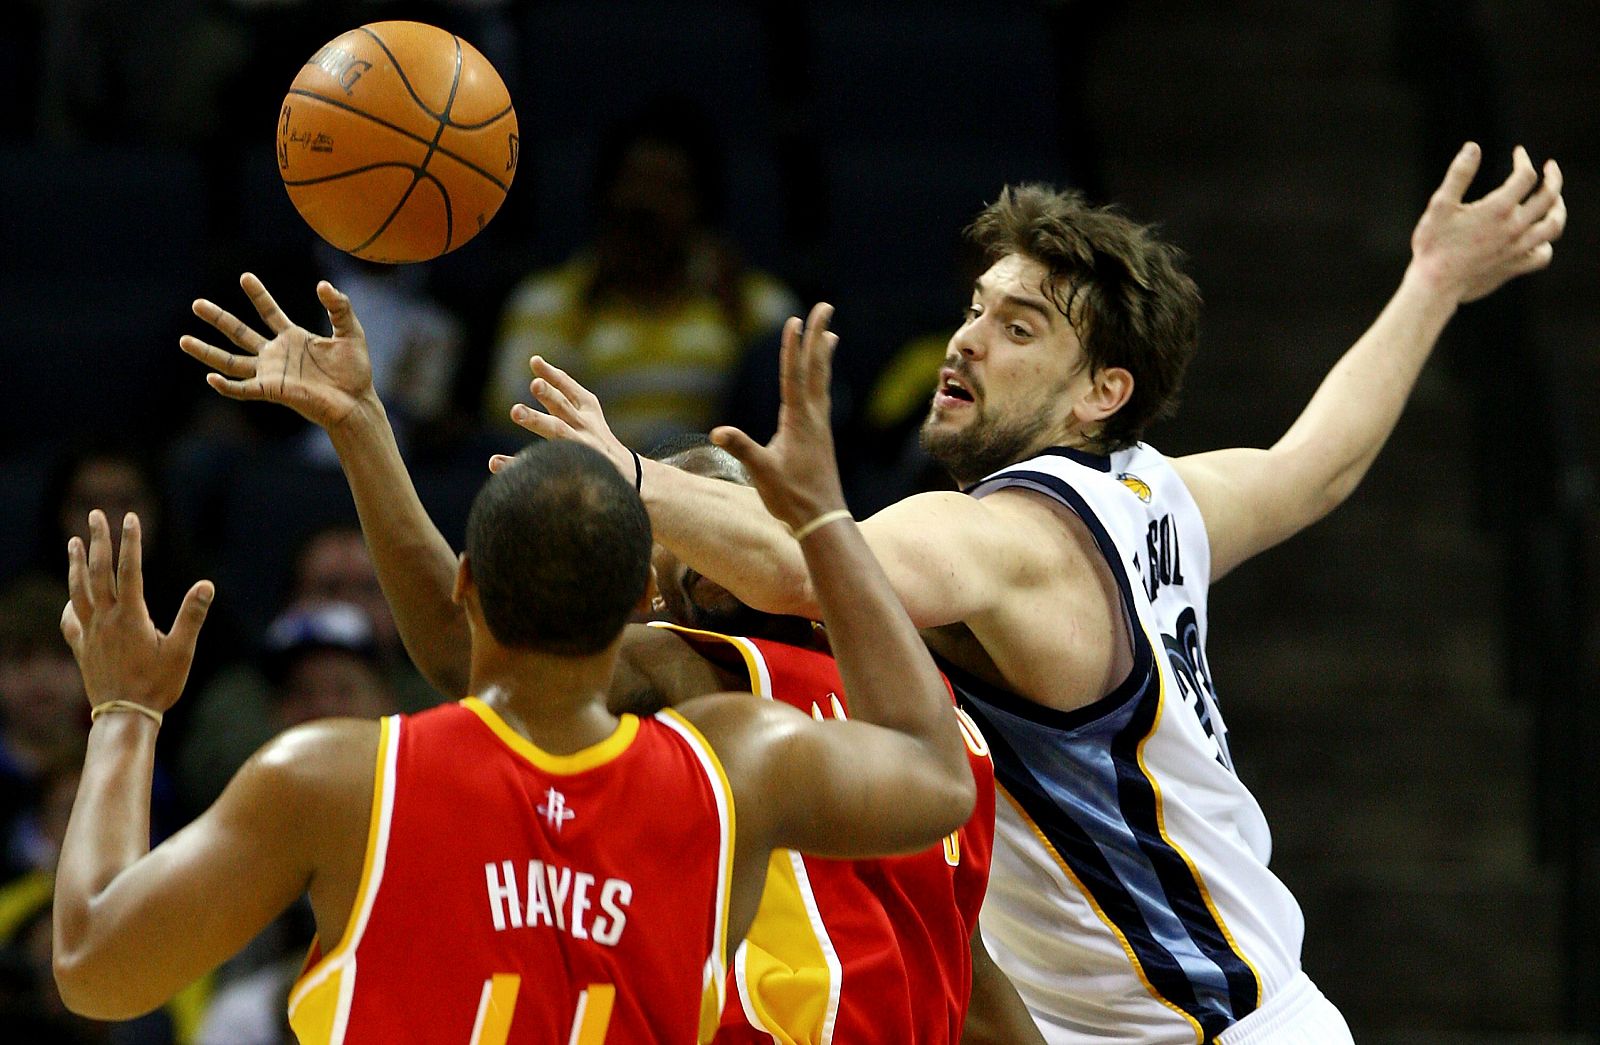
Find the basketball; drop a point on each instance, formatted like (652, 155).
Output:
(397, 142)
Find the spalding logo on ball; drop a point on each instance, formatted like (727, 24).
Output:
(397, 142)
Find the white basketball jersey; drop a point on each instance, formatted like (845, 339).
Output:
(1130, 899)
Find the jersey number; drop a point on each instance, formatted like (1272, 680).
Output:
(979, 747)
(499, 1000)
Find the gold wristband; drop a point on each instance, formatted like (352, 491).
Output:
(800, 533)
(124, 705)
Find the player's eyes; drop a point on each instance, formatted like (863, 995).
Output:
(1017, 330)
(970, 313)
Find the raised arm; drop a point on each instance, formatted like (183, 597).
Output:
(944, 557)
(821, 785)
(328, 381)
(132, 926)
(1253, 499)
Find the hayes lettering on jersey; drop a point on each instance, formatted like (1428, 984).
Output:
(558, 897)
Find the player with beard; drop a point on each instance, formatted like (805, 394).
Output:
(838, 950)
(1065, 591)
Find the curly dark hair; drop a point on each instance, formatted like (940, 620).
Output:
(1120, 287)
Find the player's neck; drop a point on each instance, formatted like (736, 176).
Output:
(558, 703)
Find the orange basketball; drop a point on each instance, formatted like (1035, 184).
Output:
(397, 142)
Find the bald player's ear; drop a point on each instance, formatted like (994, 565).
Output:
(458, 594)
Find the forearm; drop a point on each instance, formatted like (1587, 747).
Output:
(109, 828)
(887, 671)
(415, 564)
(1340, 432)
(723, 531)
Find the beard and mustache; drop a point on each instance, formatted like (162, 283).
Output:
(986, 444)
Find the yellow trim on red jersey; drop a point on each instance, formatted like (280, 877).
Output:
(752, 662)
(716, 972)
(319, 1002)
(787, 971)
(591, 757)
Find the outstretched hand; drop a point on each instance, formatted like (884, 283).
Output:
(1471, 249)
(121, 653)
(322, 379)
(796, 473)
(574, 414)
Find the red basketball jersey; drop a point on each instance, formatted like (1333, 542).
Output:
(515, 897)
(855, 951)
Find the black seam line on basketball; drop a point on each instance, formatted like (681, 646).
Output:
(403, 78)
(444, 120)
(421, 171)
(419, 139)
(454, 126)
(354, 170)
(416, 176)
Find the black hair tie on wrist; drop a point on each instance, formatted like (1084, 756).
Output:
(638, 473)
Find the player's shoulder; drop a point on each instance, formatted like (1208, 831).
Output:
(1132, 481)
(735, 723)
(329, 760)
(748, 736)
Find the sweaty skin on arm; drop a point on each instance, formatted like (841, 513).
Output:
(948, 556)
(1253, 499)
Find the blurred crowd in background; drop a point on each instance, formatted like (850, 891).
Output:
(692, 172)
(691, 175)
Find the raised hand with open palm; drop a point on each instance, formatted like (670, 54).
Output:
(323, 379)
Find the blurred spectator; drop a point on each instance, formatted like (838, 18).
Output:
(322, 662)
(238, 713)
(30, 1008)
(333, 565)
(654, 314)
(888, 460)
(44, 717)
(117, 480)
(254, 1008)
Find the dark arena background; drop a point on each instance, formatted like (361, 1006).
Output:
(1410, 686)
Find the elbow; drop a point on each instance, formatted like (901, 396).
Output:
(787, 593)
(1331, 495)
(958, 797)
(77, 994)
(94, 987)
(88, 992)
